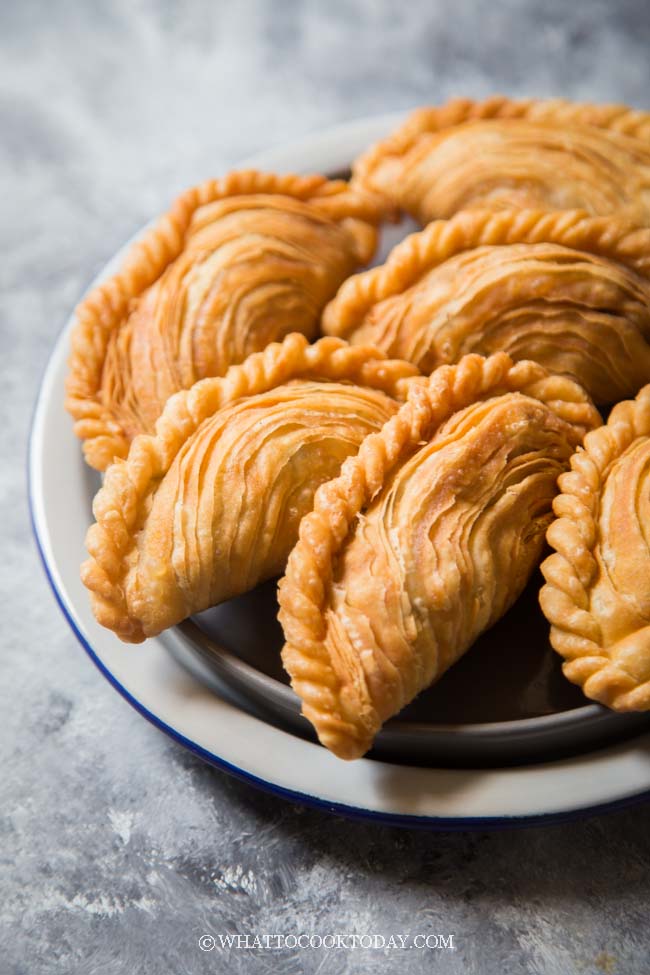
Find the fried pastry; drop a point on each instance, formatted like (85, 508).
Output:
(597, 592)
(567, 290)
(210, 505)
(235, 264)
(424, 540)
(553, 155)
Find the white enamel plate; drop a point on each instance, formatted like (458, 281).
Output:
(195, 714)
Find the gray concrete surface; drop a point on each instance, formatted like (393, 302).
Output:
(117, 848)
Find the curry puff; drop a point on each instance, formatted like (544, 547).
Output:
(567, 290)
(210, 505)
(548, 154)
(235, 264)
(424, 540)
(597, 592)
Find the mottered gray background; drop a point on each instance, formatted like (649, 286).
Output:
(117, 848)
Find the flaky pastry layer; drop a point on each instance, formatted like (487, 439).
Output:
(550, 154)
(562, 288)
(597, 592)
(235, 264)
(209, 505)
(381, 593)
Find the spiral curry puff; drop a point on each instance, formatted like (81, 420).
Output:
(209, 506)
(553, 155)
(565, 289)
(424, 540)
(235, 264)
(597, 592)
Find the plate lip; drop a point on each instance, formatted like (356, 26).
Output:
(346, 810)
(410, 820)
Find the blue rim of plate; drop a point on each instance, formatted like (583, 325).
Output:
(437, 823)
(346, 810)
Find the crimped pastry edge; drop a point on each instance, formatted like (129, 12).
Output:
(617, 118)
(575, 631)
(609, 236)
(127, 482)
(106, 306)
(303, 589)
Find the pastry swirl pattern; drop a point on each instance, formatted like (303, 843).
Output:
(236, 263)
(552, 154)
(209, 505)
(423, 539)
(565, 289)
(403, 471)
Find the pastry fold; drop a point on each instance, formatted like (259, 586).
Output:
(235, 264)
(548, 154)
(567, 290)
(209, 506)
(423, 540)
(597, 592)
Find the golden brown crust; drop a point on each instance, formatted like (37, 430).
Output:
(566, 289)
(616, 670)
(119, 506)
(385, 165)
(615, 118)
(106, 307)
(609, 236)
(303, 591)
